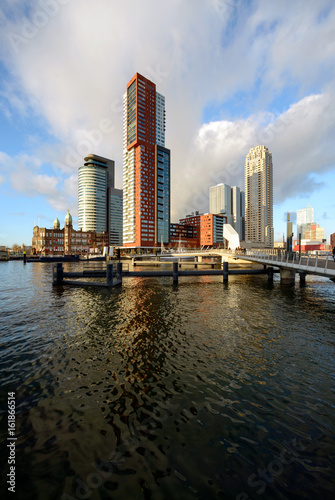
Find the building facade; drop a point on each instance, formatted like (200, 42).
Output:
(259, 197)
(230, 201)
(116, 217)
(220, 201)
(304, 216)
(67, 241)
(238, 211)
(95, 203)
(184, 235)
(208, 228)
(146, 166)
(312, 231)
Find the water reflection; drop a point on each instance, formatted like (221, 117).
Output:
(162, 391)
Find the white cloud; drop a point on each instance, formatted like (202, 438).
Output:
(72, 71)
(26, 175)
(300, 140)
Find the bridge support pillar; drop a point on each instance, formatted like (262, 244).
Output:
(270, 274)
(287, 277)
(199, 258)
(302, 279)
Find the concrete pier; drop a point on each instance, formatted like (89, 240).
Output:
(287, 277)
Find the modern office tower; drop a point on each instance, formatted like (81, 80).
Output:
(238, 211)
(220, 201)
(224, 199)
(95, 180)
(146, 166)
(304, 216)
(259, 196)
(116, 217)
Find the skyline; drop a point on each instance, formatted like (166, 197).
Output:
(247, 74)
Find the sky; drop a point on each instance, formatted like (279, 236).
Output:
(235, 74)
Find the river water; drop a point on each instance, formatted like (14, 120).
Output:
(200, 390)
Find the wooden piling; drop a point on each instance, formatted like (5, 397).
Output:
(58, 274)
(225, 272)
(175, 272)
(109, 274)
(119, 272)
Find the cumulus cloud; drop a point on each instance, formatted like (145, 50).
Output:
(68, 69)
(300, 140)
(26, 174)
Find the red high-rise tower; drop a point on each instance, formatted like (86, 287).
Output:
(146, 166)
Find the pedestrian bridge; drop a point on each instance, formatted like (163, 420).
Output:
(291, 263)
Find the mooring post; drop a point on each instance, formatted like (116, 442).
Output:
(270, 274)
(175, 272)
(109, 274)
(58, 274)
(119, 271)
(225, 272)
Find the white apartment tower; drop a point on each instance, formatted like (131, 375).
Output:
(259, 196)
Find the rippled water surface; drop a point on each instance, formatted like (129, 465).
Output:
(157, 391)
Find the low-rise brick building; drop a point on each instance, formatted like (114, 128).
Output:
(67, 241)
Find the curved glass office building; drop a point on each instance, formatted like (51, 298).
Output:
(95, 179)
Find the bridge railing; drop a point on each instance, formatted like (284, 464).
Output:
(319, 264)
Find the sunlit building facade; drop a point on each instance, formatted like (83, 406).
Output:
(95, 181)
(116, 215)
(146, 166)
(67, 241)
(259, 197)
(230, 201)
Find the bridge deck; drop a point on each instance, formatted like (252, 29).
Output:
(309, 265)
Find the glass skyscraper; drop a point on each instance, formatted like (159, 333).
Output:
(97, 210)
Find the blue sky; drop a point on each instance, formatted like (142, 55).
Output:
(235, 74)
